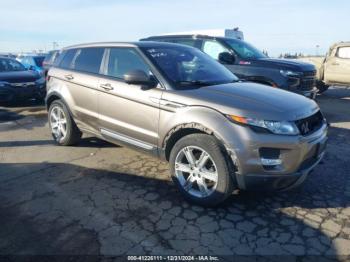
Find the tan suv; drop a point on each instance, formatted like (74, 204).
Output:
(219, 134)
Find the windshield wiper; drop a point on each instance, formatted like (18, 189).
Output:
(194, 83)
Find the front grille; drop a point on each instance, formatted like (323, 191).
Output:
(309, 73)
(307, 81)
(310, 124)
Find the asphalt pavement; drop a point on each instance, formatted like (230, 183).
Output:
(101, 199)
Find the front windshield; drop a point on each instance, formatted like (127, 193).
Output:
(244, 50)
(9, 65)
(186, 66)
(39, 60)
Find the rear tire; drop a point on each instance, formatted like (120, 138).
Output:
(196, 179)
(322, 87)
(63, 128)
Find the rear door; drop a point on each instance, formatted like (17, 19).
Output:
(337, 68)
(81, 68)
(128, 113)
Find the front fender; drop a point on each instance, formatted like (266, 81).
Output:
(208, 119)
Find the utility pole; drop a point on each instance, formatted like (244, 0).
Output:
(54, 45)
(317, 50)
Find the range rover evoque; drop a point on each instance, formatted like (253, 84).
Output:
(174, 101)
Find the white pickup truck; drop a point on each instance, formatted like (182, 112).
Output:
(334, 69)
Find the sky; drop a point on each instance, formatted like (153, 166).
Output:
(273, 25)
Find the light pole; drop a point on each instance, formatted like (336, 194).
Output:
(54, 45)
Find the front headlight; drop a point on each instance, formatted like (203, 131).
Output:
(287, 73)
(276, 127)
(2, 84)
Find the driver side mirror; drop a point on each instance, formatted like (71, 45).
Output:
(138, 77)
(226, 58)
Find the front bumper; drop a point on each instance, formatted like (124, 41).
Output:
(308, 93)
(11, 93)
(279, 182)
(304, 85)
(298, 155)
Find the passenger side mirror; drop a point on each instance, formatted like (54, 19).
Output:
(226, 58)
(138, 77)
(32, 68)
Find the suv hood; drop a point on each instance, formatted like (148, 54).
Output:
(284, 64)
(19, 76)
(247, 100)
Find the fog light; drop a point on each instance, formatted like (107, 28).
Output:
(270, 162)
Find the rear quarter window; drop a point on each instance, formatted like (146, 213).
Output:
(67, 58)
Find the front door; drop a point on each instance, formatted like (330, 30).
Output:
(337, 68)
(129, 113)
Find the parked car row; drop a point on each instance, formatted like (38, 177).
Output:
(334, 68)
(218, 133)
(250, 64)
(23, 77)
(19, 82)
(32, 62)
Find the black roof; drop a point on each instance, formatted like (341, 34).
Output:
(125, 44)
(181, 36)
(156, 44)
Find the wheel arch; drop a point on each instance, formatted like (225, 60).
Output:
(182, 130)
(263, 81)
(53, 96)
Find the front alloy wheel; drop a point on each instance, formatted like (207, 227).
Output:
(196, 171)
(202, 169)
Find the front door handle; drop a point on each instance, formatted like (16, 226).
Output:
(335, 63)
(69, 77)
(107, 87)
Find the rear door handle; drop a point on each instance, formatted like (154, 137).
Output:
(335, 63)
(107, 87)
(69, 77)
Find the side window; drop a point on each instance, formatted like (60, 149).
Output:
(213, 48)
(123, 60)
(30, 61)
(89, 60)
(344, 52)
(189, 42)
(68, 58)
(24, 60)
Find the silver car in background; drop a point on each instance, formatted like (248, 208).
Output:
(218, 134)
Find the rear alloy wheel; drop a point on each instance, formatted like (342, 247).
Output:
(201, 169)
(63, 128)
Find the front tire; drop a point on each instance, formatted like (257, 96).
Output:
(322, 87)
(63, 128)
(201, 169)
